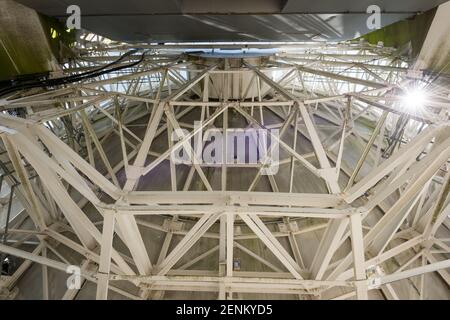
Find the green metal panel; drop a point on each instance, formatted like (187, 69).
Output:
(26, 42)
(398, 34)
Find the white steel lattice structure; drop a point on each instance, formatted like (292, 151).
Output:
(366, 173)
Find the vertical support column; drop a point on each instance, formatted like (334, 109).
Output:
(222, 293)
(45, 295)
(230, 241)
(294, 147)
(223, 245)
(229, 217)
(224, 150)
(223, 250)
(105, 255)
(422, 280)
(358, 256)
(173, 169)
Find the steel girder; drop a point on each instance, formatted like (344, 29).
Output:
(95, 144)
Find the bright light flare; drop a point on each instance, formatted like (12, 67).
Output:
(414, 98)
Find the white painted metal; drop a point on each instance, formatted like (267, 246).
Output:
(337, 93)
